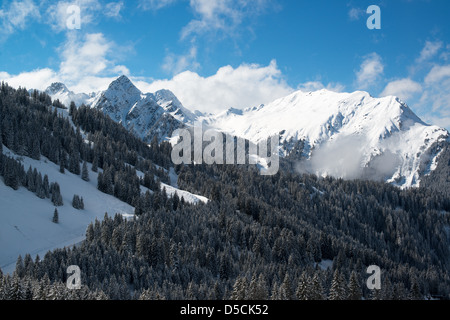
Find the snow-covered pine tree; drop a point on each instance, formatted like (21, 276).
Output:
(46, 186)
(354, 288)
(94, 167)
(239, 289)
(414, 293)
(55, 218)
(316, 288)
(39, 187)
(337, 290)
(275, 293)
(56, 194)
(84, 172)
(286, 292)
(77, 202)
(62, 162)
(16, 291)
(36, 150)
(20, 269)
(303, 289)
(257, 288)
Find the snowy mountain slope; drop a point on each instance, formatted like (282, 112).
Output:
(59, 91)
(172, 188)
(343, 133)
(26, 221)
(349, 135)
(146, 115)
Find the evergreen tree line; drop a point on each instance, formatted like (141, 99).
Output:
(259, 236)
(439, 179)
(218, 251)
(14, 176)
(30, 126)
(16, 288)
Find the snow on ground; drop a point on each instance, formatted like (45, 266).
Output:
(188, 197)
(173, 178)
(173, 187)
(26, 221)
(326, 264)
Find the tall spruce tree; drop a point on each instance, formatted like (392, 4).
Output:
(337, 290)
(354, 288)
(56, 194)
(85, 172)
(55, 218)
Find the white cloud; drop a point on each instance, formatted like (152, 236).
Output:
(214, 15)
(36, 79)
(370, 71)
(403, 88)
(155, 4)
(434, 104)
(429, 51)
(86, 58)
(85, 66)
(437, 91)
(16, 16)
(356, 13)
(4, 75)
(437, 73)
(112, 9)
(317, 85)
(446, 54)
(57, 13)
(442, 122)
(222, 15)
(90, 12)
(175, 64)
(245, 86)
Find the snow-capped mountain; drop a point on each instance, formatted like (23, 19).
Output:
(347, 135)
(146, 115)
(58, 90)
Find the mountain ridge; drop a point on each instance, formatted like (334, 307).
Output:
(343, 134)
(378, 138)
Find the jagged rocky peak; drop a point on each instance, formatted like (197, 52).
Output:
(56, 87)
(124, 84)
(165, 95)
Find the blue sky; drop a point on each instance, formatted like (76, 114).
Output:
(215, 54)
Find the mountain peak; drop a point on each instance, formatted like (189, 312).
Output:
(57, 87)
(123, 83)
(342, 134)
(124, 79)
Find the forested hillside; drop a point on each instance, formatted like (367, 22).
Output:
(287, 236)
